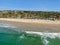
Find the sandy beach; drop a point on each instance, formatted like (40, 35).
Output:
(32, 24)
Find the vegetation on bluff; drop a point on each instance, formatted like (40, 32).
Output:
(29, 14)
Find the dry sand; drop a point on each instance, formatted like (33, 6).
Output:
(32, 24)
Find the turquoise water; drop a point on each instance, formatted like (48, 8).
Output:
(13, 36)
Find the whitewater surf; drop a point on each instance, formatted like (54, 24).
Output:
(15, 36)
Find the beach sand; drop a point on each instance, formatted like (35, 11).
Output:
(32, 24)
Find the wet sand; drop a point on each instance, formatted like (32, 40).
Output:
(28, 26)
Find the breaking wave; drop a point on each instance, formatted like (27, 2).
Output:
(15, 36)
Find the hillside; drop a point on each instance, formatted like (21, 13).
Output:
(29, 14)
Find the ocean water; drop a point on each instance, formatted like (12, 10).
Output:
(15, 36)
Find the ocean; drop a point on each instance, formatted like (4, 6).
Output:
(15, 36)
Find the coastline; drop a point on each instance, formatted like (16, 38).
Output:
(32, 25)
(37, 21)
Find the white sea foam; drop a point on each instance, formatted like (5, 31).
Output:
(44, 36)
(22, 36)
(45, 41)
(47, 34)
(6, 25)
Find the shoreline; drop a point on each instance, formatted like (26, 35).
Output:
(32, 25)
(37, 21)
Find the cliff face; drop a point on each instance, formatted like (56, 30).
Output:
(29, 14)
